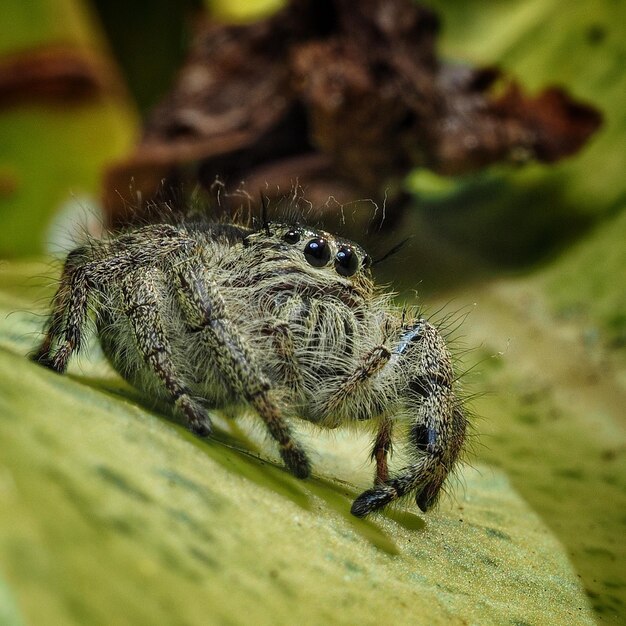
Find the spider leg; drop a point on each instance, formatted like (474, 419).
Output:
(381, 450)
(283, 339)
(144, 298)
(438, 429)
(424, 477)
(360, 381)
(70, 305)
(86, 271)
(204, 312)
(357, 382)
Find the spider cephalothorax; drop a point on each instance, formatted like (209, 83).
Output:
(284, 319)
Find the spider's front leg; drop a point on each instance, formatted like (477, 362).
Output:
(438, 429)
(205, 313)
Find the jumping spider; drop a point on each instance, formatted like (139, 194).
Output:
(284, 319)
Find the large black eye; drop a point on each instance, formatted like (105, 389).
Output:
(317, 252)
(291, 236)
(346, 261)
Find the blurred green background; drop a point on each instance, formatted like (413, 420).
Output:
(536, 257)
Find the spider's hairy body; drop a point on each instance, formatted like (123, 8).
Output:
(284, 319)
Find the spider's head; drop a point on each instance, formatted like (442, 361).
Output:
(318, 248)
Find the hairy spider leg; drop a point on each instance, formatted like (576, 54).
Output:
(280, 332)
(285, 349)
(382, 450)
(70, 306)
(145, 293)
(86, 269)
(204, 310)
(438, 430)
(371, 364)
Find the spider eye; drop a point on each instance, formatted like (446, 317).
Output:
(317, 252)
(291, 236)
(346, 261)
(367, 261)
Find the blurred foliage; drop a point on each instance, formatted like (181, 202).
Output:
(513, 217)
(149, 40)
(53, 151)
(552, 355)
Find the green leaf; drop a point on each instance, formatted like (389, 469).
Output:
(112, 513)
(550, 375)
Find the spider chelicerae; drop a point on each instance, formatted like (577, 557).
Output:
(284, 319)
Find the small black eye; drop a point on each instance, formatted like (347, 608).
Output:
(317, 252)
(346, 261)
(291, 236)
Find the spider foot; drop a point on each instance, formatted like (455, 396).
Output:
(373, 499)
(41, 358)
(196, 417)
(56, 363)
(296, 460)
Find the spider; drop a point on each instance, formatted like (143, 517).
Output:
(283, 318)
